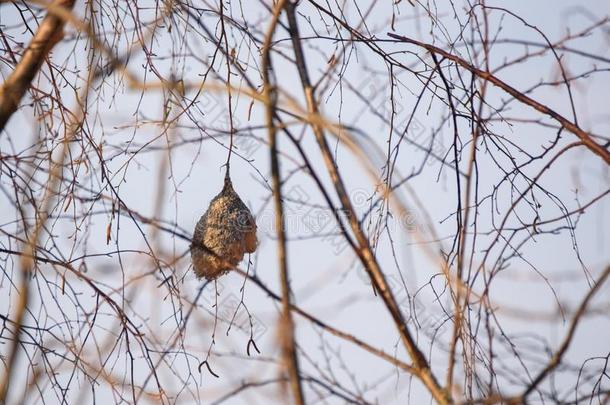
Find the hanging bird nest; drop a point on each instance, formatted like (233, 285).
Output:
(223, 235)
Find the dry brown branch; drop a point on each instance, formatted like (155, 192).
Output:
(49, 33)
(584, 136)
(364, 251)
(286, 329)
(558, 356)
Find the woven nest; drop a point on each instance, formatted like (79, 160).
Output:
(223, 235)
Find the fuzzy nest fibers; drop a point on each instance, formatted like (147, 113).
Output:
(223, 235)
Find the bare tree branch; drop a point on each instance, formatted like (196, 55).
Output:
(49, 33)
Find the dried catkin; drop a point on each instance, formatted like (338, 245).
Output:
(223, 235)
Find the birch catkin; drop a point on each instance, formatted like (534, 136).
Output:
(223, 235)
